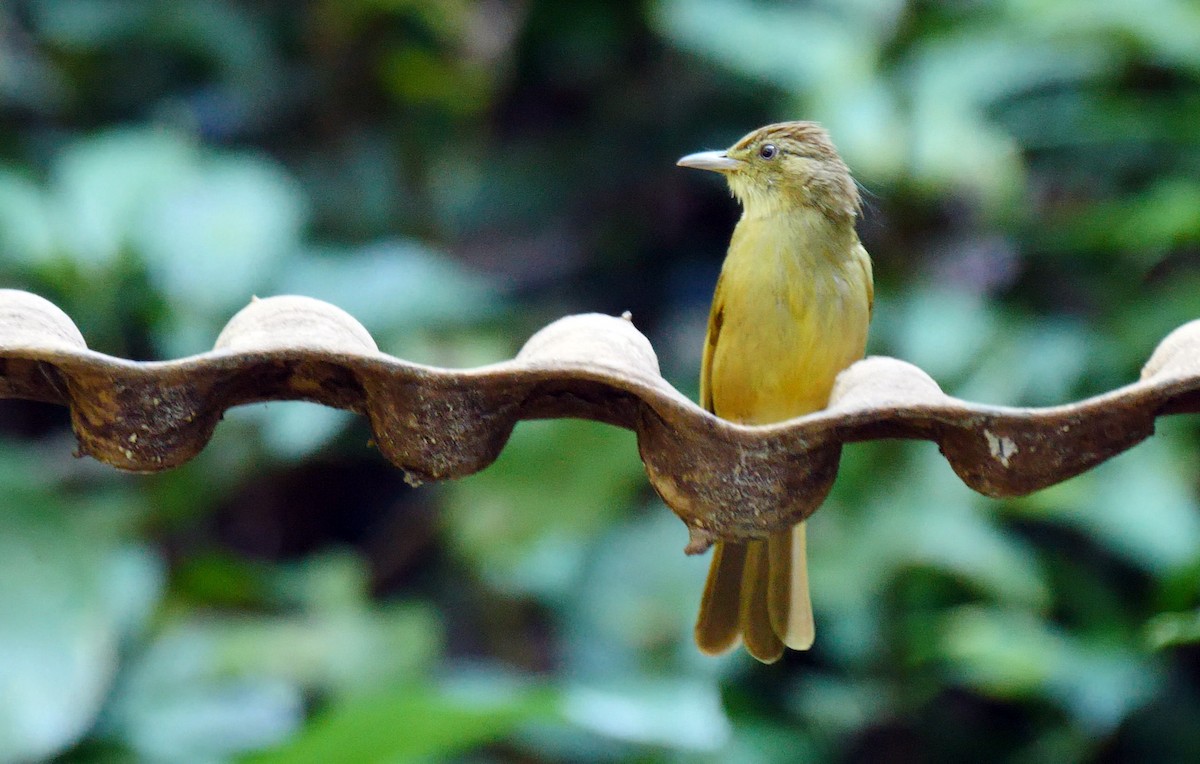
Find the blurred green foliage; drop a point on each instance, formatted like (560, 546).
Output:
(455, 175)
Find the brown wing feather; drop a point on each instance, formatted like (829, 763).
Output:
(717, 626)
(716, 318)
(864, 261)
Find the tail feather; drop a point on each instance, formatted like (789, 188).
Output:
(757, 632)
(757, 591)
(717, 627)
(790, 605)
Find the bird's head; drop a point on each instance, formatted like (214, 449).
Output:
(782, 166)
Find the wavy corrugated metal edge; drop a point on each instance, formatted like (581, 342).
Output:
(722, 479)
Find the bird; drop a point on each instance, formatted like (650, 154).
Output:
(790, 311)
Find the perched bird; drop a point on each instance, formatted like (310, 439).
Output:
(790, 311)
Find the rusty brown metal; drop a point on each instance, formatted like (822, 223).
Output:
(724, 480)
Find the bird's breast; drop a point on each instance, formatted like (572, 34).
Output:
(795, 305)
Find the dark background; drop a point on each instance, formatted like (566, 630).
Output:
(458, 174)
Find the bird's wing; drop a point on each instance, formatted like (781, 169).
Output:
(864, 261)
(717, 627)
(716, 318)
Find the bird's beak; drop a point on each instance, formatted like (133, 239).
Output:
(717, 161)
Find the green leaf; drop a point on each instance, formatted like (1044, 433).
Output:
(680, 713)
(637, 599)
(827, 54)
(952, 79)
(762, 40)
(941, 330)
(929, 519)
(217, 231)
(103, 185)
(1142, 226)
(1141, 505)
(213, 686)
(1012, 654)
(527, 520)
(26, 224)
(1164, 27)
(1031, 363)
(414, 723)
(393, 286)
(73, 589)
(292, 430)
(1173, 629)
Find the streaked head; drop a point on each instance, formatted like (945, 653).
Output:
(783, 165)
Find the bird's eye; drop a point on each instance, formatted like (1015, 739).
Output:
(768, 151)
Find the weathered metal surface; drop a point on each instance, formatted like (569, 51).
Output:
(724, 480)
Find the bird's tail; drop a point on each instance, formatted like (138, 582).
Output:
(757, 590)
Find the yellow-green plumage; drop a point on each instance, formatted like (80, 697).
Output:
(790, 312)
